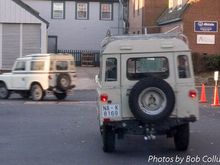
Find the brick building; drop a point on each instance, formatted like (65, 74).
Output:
(198, 20)
(143, 15)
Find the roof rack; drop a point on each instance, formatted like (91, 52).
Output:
(109, 39)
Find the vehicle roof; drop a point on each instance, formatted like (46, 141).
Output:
(144, 44)
(59, 56)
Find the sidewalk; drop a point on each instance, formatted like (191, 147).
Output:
(86, 77)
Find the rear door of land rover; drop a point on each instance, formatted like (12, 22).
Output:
(109, 88)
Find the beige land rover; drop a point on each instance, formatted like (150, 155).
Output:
(33, 75)
(146, 87)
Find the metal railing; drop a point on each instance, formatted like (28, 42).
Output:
(78, 54)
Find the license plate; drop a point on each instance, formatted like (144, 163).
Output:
(111, 111)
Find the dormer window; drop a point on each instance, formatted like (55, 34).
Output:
(171, 6)
(179, 4)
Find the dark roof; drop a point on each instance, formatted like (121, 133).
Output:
(170, 17)
(30, 10)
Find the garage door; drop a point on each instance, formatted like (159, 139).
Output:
(10, 44)
(31, 39)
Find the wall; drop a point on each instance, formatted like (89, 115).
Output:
(152, 10)
(202, 11)
(135, 16)
(77, 34)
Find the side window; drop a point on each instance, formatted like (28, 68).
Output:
(37, 65)
(61, 65)
(183, 66)
(20, 66)
(111, 69)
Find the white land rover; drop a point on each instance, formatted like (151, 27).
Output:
(35, 74)
(146, 87)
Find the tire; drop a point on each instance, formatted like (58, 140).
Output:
(60, 96)
(181, 137)
(108, 136)
(25, 94)
(63, 82)
(151, 100)
(37, 92)
(4, 92)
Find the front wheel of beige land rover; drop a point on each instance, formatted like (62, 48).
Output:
(151, 100)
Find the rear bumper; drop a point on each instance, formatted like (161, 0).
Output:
(157, 128)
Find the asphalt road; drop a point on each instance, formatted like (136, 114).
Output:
(54, 132)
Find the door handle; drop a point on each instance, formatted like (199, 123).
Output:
(128, 92)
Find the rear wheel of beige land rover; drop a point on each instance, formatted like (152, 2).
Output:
(151, 100)
(108, 136)
(181, 137)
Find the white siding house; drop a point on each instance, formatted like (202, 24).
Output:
(79, 25)
(22, 31)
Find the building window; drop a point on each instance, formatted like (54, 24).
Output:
(106, 11)
(58, 10)
(171, 5)
(179, 4)
(82, 10)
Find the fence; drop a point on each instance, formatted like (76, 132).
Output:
(79, 54)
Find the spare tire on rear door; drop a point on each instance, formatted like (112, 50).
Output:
(151, 100)
(63, 81)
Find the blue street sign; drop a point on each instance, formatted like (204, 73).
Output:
(206, 26)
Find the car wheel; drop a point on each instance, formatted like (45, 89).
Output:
(151, 100)
(181, 137)
(63, 81)
(37, 92)
(60, 96)
(4, 92)
(108, 136)
(25, 94)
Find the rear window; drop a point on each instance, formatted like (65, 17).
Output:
(61, 65)
(138, 68)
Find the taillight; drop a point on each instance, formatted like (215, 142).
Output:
(192, 94)
(104, 97)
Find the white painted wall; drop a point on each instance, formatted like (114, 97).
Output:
(77, 34)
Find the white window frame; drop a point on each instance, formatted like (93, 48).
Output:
(84, 9)
(111, 11)
(171, 5)
(59, 8)
(179, 4)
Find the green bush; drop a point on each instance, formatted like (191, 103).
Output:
(213, 62)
